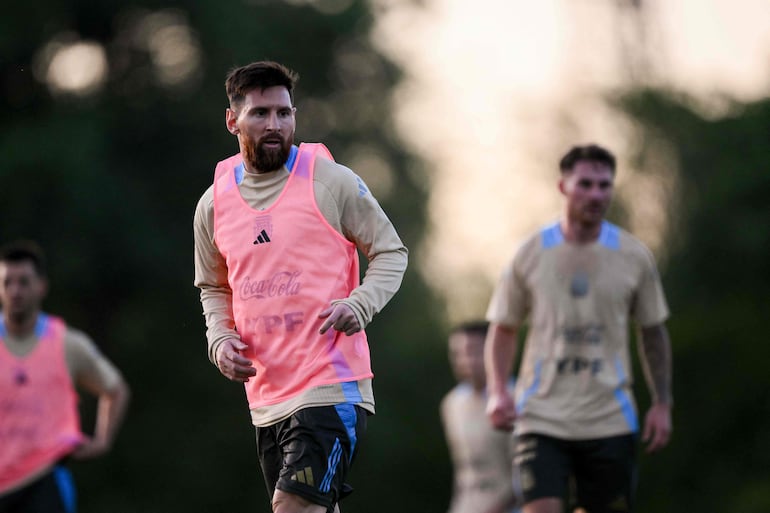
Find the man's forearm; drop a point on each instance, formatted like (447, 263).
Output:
(499, 353)
(656, 362)
(111, 411)
(217, 311)
(381, 282)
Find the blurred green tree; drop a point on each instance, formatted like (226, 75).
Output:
(717, 280)
(112, 122)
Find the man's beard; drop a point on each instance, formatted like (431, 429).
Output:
(591, 214)
(262, 159)
(21, 314)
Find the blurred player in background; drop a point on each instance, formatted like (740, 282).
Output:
(482, 456)
(578, 282)
(42, 360)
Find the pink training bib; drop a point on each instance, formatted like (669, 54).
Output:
(39, 421)
(285, 265)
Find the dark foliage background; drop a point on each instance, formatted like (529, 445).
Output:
(107, 183)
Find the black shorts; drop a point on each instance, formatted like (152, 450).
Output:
(53, 492)
(598, 475)
(309, 454)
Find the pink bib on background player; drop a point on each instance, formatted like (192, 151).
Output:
(39, 420)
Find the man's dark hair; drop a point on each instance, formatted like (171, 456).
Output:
(590, 152)
(475, 327)
(25, 251)
(258, 75)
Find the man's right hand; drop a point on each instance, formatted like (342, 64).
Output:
(501, 410)
(230, 362)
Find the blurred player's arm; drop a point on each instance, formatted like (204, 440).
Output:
(445, 413)
(507, 310)
(499, 352)
(656, 362)
(94, 373)
(655, 356)
(650, 312)
(505, 506)
(224, 343)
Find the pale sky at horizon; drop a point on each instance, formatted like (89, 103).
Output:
(496, 90)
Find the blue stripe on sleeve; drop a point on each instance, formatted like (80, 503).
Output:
(551, 236)
(609, 237)
(292, 157)
(239, 173)
(621, 395)
(41, 324)
(531, 389)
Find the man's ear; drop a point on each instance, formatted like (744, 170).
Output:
(562, 186)
(231, 118)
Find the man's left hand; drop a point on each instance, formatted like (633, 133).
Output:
(340, 317)
(657, 427)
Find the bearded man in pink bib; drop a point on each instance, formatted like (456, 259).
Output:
(277, 237)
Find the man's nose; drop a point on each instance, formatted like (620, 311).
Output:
(597, 192)
(272, 121)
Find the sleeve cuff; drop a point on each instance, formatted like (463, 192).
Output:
(356, 311)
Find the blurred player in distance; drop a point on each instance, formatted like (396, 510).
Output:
(579, 282)
(482, 457)
(42, 361)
